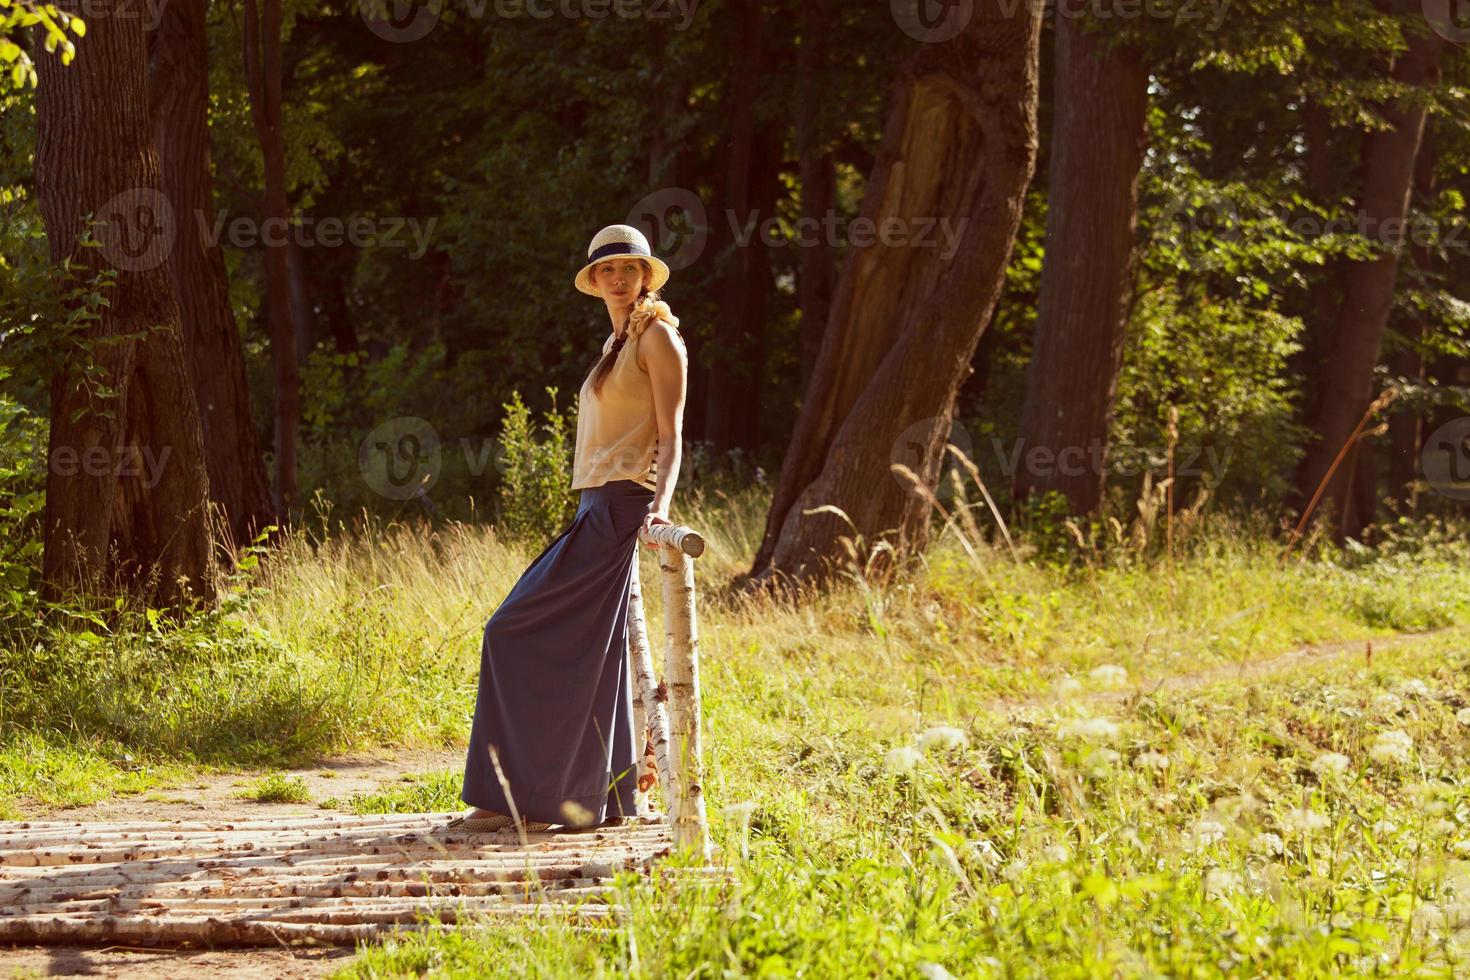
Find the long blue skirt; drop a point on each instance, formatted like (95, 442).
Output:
(556, 695)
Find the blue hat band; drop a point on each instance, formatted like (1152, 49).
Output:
(616, 248)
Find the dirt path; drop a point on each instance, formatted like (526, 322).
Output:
(203, 793)
(269, 964)
(210, 793)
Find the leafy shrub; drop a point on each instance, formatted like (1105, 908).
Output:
(535, 496)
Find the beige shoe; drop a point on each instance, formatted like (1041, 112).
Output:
(495, 822)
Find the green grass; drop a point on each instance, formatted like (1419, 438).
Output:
(277, 787)
(1080, 822)
(54, 776)
(1213, 831)
(434, 792)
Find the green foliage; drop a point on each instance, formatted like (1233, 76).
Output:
(16, 18)
(535, 496)
(435, 792)
(22, 503)
(277, 787)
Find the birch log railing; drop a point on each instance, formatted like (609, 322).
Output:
(666, 713)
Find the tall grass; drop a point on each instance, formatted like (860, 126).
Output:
(905, 771)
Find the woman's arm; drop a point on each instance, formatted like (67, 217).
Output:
(668, 370)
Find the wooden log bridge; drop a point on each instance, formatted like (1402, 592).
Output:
(341, 879)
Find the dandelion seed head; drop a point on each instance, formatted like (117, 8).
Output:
(1094, 729)
(1391, 746)
(1268, 843)
(1152, 760)
(902, 759)
(942, 737)
(1330, 763)
(1109, 675)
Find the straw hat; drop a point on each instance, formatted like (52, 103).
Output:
(616, 241)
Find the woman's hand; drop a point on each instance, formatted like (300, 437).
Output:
(655, 516)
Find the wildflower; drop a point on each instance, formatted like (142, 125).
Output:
(1268, 844)
(902, 759)
(942, 736)
(1207, 832)
(1099, 761)
(1234, 807)
(1330, 763)
(1088, 728)
(1068, 685)
(1218, 882)
(740, 811)
(1013, 871)
(1302, 820)
(1391, 746)
(1058, 853)
(1414, 688)
(1461, 847)
(1386, 703)
(1425, 795)
(1152, 760)
(1383, 828)
(981, 851)
(1441, 828)
(1463, 716)
(1109, 675)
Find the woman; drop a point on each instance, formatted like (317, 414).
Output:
(552, 744)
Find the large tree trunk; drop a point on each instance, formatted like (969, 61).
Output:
(1353, 347)
(1098, 137)
(127, 491)
(178, 88)
(263, 74)
(1405, 427)
(817, 274)
(960, 144)
(736, 357)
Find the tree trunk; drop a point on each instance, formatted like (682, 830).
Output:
(1405, 427)
(817, 271)
(735, 358)
(1098, 138)
(263, 74)
(178, 88)
(1353, 347)
(959, 144)
(127, 492)
(1327, 286)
